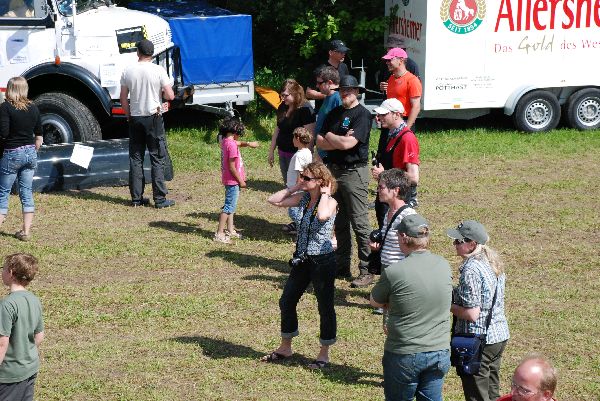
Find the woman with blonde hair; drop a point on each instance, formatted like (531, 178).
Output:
(21, 137)
(480, 292)
(312, 262)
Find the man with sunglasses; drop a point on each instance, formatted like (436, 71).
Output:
(328, 81)
(534, 380)
(345, 136)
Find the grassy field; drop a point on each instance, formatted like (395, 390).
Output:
(140, 304)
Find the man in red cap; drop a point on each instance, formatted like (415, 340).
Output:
(403, 85)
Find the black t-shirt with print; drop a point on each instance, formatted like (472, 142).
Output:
(339, 121)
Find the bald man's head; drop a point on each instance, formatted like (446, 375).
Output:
(534, 380)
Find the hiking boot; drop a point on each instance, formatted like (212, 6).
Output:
(142, 202)
(164, 204)
(363, 280)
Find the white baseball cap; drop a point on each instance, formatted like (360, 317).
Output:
(390, 105)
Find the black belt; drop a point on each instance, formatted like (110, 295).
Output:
(346, 166)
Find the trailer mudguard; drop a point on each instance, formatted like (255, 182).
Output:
(513, 99)
(74, 71)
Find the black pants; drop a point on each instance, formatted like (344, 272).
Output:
(320, 271)
(20, 391)
(147, 132)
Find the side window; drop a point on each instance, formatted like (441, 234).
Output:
(17, 9)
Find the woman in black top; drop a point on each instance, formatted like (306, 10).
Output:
(21, 137)
(293, 112)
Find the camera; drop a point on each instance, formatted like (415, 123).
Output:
(374, 160)
(376, 236)
(297, 260)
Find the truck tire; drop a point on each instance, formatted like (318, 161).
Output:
(537, 111)
(583, 111)
(65, 119)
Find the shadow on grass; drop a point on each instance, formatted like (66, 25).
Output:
(253, 228)
(85, 194)
(248, 261)
(181, 227)
(220, 349)
(267, 186)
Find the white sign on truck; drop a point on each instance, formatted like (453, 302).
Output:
(535, 59)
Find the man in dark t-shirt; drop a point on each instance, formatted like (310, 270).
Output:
(337, 54)
(345, 136)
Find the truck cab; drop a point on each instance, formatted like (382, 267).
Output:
(72, 52)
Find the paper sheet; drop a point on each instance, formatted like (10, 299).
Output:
(82, 155)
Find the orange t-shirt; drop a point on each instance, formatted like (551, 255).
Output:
(404, 88)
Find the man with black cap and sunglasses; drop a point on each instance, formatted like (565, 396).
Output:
(146, 84)
(345, 136)
(337, 54)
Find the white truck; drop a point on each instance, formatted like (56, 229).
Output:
(535, 59)
(72, 53)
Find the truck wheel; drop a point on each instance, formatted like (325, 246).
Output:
(65, 119)
(537, 111)
(583, 110)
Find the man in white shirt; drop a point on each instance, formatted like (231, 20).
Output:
(146, 84)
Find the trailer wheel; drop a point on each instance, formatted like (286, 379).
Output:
(583, 110)
(537, 111)
(65, 119)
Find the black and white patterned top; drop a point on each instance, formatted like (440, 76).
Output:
(316, 239)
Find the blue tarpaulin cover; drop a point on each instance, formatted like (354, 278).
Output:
(215, 45)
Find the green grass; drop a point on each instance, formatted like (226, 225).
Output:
(140, 304)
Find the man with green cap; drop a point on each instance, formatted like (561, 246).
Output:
(417, 293)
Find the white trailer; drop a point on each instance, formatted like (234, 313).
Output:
(535, 59)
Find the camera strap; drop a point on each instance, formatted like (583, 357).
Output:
(310, 221)
(403, 208)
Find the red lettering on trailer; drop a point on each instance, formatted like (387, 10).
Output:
(407, 27)
(540, 15)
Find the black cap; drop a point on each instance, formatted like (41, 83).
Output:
(145, 47)
(349, 81)
(338, 46)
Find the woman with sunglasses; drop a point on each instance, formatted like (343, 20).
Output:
(313, 260)
(293, 112)
(481, 275)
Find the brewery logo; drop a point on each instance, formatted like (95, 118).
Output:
(462, 16)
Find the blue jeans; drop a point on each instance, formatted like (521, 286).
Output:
(232, 193)
(320, 270)
(410, 375)
(18, 164)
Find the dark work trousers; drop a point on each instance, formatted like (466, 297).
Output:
(380, 211)
(485, 385)
(320, 271)
(353, 204)
(20, 391)
(147, 132)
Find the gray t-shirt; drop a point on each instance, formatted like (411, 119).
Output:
(145, 81)
(20, 320)
(418, 291)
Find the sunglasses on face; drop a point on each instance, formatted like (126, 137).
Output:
(461, 241)
(307, 179)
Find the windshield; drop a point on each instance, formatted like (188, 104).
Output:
(65, 6)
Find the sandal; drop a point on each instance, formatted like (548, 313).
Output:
(316, 365)
(290, 228)
(233, 234)
(20, 235)
(274, 357)
(224, 239)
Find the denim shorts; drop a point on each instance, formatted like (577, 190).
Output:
(18, 165)
(232, 193)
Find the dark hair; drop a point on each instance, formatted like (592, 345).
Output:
(329, 73)
(395, 178)
(23, 267)
(231, 125)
